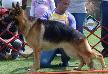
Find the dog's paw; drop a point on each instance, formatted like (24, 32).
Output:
(78, 69)
(92, 69)
(105, 68)
(28, 71)
(34, 68)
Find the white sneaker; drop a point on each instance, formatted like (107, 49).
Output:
(21, 51)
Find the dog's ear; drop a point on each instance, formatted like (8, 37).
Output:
(16, 9)
(13, 5)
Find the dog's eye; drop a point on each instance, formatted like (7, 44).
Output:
(18, 12)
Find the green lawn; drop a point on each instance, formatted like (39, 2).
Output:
(20, 65)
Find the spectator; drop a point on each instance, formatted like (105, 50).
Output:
(24, 4)
(60, 14)
(0, 3)
(8, 29)
(56, 1)
(104, 29)
(78, 9)
(39, 7)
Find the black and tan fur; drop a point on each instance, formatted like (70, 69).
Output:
(53, 34)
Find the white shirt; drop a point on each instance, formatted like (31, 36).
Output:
(77, 6)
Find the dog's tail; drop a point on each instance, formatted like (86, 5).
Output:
(92, 53)
(96, 55)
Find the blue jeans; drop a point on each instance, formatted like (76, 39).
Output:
(80, 19)
(104, 31)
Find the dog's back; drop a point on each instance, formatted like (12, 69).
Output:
(57, 32)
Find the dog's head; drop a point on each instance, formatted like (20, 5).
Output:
(19, 14)
(24, 23)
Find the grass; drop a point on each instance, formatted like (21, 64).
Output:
(20, 65)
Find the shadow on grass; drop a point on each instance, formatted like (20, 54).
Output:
(30, 58)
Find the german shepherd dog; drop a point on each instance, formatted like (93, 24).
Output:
(53, 34)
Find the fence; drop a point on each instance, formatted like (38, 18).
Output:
(92, 35)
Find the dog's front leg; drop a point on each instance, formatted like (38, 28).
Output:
(36, 64)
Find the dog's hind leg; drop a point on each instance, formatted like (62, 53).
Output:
(82, 63)
(90, 64)
(101, 60)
